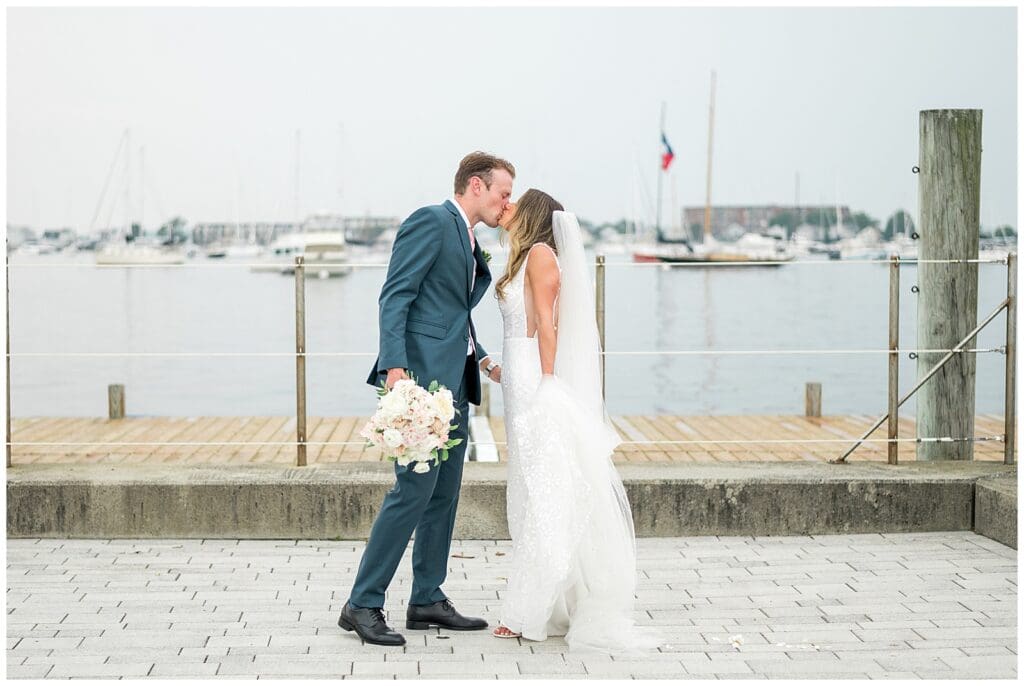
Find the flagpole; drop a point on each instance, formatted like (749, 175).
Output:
(661, 173)
(711, 133)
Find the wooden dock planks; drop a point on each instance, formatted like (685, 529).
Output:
(178, 432)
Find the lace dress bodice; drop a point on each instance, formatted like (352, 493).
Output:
(513, 306)
(517, 305)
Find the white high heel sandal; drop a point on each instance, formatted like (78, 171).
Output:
(498, 633)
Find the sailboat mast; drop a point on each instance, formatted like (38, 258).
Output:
(106, 185)
(298, 146)
(237, 202)
(675, 206)
(661, 173)
(839, 216)
(128, 182)
(632, 198)
(142, 189)
(711, 135)
(796, 197)
(341, 166)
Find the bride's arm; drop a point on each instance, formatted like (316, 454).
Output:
(545, 280)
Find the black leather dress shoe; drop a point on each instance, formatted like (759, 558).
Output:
(441, 614)
(369, 623)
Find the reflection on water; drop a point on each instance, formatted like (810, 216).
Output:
(232, 309)
(707, 312)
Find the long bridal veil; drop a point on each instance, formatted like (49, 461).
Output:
(601, 606)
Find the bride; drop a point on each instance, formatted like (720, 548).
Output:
(573, 544)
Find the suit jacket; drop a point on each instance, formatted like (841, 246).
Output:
(426, 302)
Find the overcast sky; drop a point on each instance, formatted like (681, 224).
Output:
(388, 101)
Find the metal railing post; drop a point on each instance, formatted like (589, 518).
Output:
(894, 358)
(1010, 407)
(300, 361)
(599, 304)
(7, 348)
(484, 409)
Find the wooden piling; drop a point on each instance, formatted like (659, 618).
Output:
(115, 401)
(812, 399)
(949, 198)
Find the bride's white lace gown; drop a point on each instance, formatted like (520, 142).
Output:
(573, 548)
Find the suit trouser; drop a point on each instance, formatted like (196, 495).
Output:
(424, 503)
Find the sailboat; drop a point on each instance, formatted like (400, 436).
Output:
(129, 249)
(320, 239)
(750, 248)
(866, 245)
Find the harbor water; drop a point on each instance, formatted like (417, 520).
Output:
(208, 306)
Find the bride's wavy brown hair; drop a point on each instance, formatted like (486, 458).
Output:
(532, 224)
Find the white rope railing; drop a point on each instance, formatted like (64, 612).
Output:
(731, 441)
(866, 351)
(313, 266)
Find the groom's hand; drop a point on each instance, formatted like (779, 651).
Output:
(395, 375)
(495, 374)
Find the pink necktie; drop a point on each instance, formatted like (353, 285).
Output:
(472, 247)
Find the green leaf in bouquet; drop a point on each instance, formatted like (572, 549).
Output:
(452, 442)
(433, 386)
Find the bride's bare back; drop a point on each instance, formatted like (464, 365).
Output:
(540, 300)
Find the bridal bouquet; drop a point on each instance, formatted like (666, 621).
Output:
(411, 424)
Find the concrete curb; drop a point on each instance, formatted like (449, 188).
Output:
(340, 501)
(995, 509)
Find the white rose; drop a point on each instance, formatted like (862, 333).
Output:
(393, 404)
(392, 438)
(421, 467)
(445, 407)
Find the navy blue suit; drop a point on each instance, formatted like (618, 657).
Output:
(425, 327)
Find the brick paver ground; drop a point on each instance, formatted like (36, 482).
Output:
(931, 605)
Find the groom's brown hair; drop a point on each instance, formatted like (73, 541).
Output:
(480, 164)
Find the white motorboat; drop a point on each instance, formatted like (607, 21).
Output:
(866, 245)
(749, 248)
(128, 254)
(903, 247)
(325, 253)
(244, 250)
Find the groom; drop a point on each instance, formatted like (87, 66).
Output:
(436, 276)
